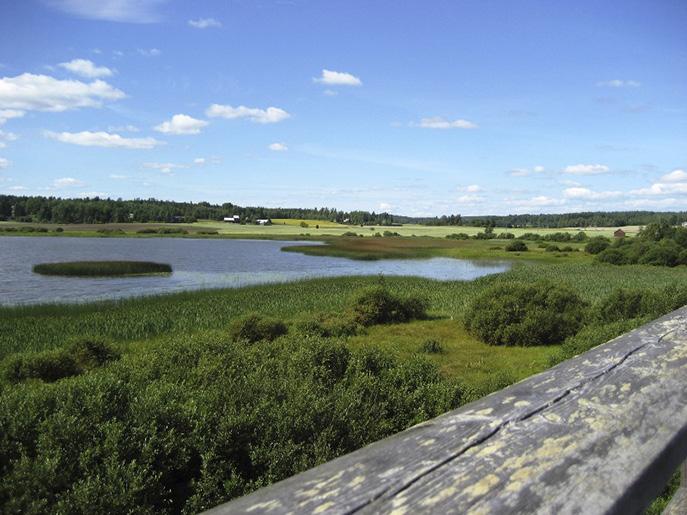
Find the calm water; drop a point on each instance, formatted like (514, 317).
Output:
(197, 264)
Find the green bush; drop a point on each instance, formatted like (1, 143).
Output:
(597, 245)
(329, 324)
(431, 347)
(525, 314)
(47, 366)
(552, 248)
(92, 352)
(376, 305)
(624, 304)
(458, 236)
(506, 236)
(663, 253)
(254, 327)
(613, 256)
(516, 246)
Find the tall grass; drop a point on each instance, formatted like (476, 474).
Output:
(102, 268)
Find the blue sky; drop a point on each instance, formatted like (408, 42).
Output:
(414, 107)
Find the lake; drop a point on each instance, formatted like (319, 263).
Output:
(197, 264)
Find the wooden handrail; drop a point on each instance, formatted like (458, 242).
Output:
(600, 433)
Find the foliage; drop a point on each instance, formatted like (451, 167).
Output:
(329, 324)
(596, 245)
(377, 305)
(525, 314)
(431, 346)
(102, 268)
(516, 246)
(657, 244)
(458, 236)
(255, 327)
(189, 423)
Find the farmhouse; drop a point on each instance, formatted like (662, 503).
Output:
(619, 234)
(232, 219)
(263, 221)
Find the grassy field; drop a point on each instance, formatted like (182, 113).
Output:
(281, 229)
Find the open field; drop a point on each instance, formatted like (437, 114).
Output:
(287, 228)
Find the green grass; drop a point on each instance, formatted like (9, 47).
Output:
(102, 268)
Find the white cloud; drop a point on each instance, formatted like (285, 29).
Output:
(473, 188)
(164, 167)
(520, 172)
(181, 124)
(118, 177)
(675, 176)
(437, 122)
(587, 194)
(653, 203)
(86, 68)
(269, 115)
(200, 161)
(4, 163)
(44, 93)
(538, 169)
(123, 128)
(6, 137)
(103, 139)
(67, 182)
(204, 23)
(617, 83)
(582, 169)
(132, 11)
(539, 201)
(660, 188)
(278, 147)
(470, 199)
(333, 78)
(330, 93)
(8, 114)
(385, 206)
(17, 188)
(149, 52)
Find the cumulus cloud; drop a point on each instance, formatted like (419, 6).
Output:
(6, 137)
(27, 92)
(131, 11)
(181, 124)
(103, 139)
(8, 114)
(204, 23)
(437, 122)
(582, 169)
(470, 199)
(4, 163)
(333, 78)
(660, 188)
(86, 68)
(538, 169)
(269, 115)
(200, 161)
(538, 201)
(385, 206)
(67, 182)
(675, 176)
(618, 83)
(587, 194)
(525, 172)
(278, 147)
(473, 188)
(123, 128)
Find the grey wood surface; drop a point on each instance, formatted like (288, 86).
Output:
(600, 433)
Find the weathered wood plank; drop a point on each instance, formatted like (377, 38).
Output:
(600, 433)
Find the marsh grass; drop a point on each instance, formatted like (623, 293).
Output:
(102, 268)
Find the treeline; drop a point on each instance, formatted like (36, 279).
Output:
(99, 210)
(585, 219)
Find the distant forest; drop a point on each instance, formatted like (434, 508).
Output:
(99, 210)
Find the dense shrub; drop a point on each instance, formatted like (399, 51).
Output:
(377, 305)
(530, 236)
(552, 248)
(613, 256)
(92, 352)
(190, 423)
(662, 253)
(516, 246)
(525, 314)
(329, 324)
(506, 236)
(458, 236)
(390, 234)
(592, 335)
(47, 366)
(254, 327)
(597, 245)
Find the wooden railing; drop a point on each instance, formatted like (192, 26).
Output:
(600, 433)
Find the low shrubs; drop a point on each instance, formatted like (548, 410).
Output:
(596, 245)
(329, 324)
(458, 236)
(516, 246)
(79, 356)
(377, 305)
(254, 327)
(525, 314)
(431, 346)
